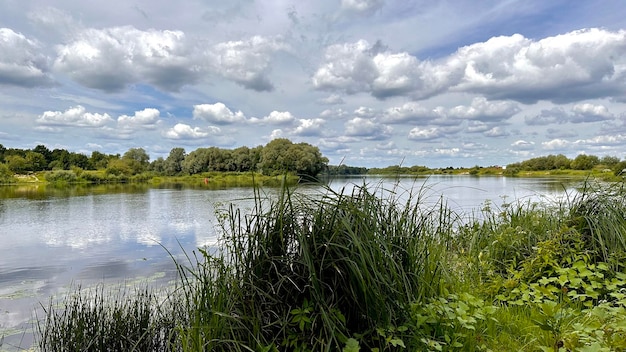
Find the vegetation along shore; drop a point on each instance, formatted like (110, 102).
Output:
(245, 166)
(377, 270)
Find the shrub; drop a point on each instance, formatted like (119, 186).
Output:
(60, 176)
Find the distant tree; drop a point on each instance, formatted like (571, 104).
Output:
(242, 159)
(2, 150)
(281, 155)
(79, 160)
(137, 159)
(585, 162)
(35, 161)
(609, 161)
(158, 165)
(196, 162)
(98, 160)
(173, 165)
(47, 153)
(17, 164)
(60, 160)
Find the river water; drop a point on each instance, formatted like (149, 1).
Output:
(52, 239)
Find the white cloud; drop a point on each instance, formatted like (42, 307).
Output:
(76, 116)
(112, 58)
(246, 62)
(486, 111)
(590, 113)
(411, 112)
(496, 132)
(217, 113)
(580, 113)
(424, 134)
(146, 118)
(366, 129)
(360, 67)
(585, 63)
(309, 127)
(275, 118)
(523, 145)
(556, 144)
(365, 112)
(333, 99)
(362, 6)
(184, 131)
(21, 61)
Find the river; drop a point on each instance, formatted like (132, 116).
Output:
(54, 238)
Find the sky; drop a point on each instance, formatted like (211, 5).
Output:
(371, 83)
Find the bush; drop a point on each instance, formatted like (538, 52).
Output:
(60, 176)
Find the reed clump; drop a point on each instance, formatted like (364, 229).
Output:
(311, 273)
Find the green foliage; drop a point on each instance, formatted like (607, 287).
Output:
(309, 272)
(452, 323)
(6, 176)
(281, 155)
(116, 320)
(61, 176)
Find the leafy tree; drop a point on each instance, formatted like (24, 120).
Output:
(79, 160)
(281, 155)
(585, 162)
(43, 150)
(35, 161)
(17, 164)
(196, 162)
(60, 160)
(174, 163)
(609, 161)
(158, 165)
(98, 160)
(137, 159)
(2, 150)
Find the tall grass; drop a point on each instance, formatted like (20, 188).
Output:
(310, 272)
(109, 319)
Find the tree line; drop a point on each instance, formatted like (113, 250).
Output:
(278, 156)
(561, 162)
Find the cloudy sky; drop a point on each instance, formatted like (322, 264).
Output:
(370, 82)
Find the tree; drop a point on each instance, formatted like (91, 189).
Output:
(609, 161)
(280, 155)
(60, 159)
(98, 160)
(17, 164)
(35, 161)
(585, 162)
(174, 163)
(79, 160)
(196, 162)
(43, 150)
(137, 159)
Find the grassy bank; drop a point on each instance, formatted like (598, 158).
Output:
(376, 270)
(207, 179)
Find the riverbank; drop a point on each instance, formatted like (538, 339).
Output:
(363, 272)
(206, 179)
